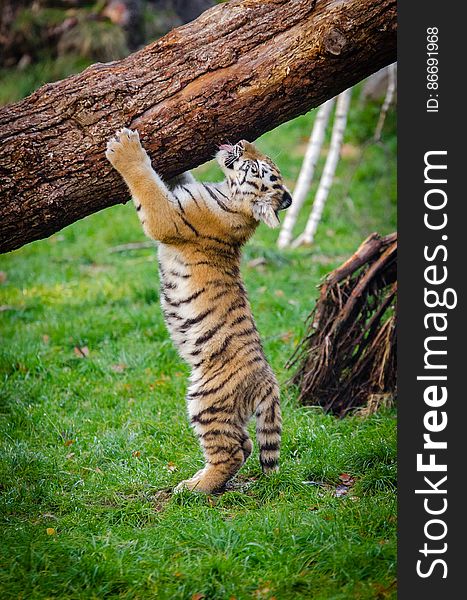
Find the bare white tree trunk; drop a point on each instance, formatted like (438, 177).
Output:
(306, 172)
(340, 121)
(388, 100)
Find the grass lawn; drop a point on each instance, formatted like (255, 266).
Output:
(93, 430)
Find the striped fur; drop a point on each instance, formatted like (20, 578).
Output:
(201, 229)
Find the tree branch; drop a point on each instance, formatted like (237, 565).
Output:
(240, 69)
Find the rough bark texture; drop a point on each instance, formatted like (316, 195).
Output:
(240, 69)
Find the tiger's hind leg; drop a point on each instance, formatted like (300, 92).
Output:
(225, 451)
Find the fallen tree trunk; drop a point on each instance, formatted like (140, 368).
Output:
(240, 69)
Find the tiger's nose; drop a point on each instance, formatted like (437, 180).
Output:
(286, 201)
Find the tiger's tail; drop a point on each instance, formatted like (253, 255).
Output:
(268, 430)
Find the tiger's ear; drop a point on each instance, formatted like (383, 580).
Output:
(263, 211)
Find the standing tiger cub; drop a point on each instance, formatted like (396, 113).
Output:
(201, 229)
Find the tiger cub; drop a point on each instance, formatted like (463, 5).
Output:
(201, 229)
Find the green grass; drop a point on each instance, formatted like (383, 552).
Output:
(88, 443)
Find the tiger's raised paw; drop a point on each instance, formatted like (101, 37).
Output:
(124, 151)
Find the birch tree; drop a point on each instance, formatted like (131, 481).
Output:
(340, 121)
(306, 172)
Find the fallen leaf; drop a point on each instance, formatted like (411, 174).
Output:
(68, 442)
(97, 470)
(263, 591)
(287, 336)
(118, 368)
(82, 352)
(279, 293)
(3, 277)
(50, 531)
(45, 338)
(197, 596)
(171, 466)
(136, 454)
(70, 455)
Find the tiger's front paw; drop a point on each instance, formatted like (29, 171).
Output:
(124, 151)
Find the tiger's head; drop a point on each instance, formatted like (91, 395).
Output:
(255, 181)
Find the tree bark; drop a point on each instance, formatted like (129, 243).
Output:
(240, 69)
